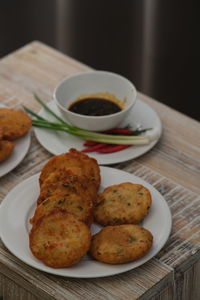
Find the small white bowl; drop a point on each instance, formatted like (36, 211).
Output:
(90, 83)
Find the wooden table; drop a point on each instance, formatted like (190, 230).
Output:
(172, 167)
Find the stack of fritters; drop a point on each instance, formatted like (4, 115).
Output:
(13, 124)
(68, 204)
(69, 183)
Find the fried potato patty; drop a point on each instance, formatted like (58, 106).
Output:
(125, 203)
(14, 123)
(73, 158)
(81, 207)
(6, 148)
(66, 182)
(59, 239)
(121, 243)
(1, 134)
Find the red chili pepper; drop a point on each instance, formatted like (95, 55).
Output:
(111, 149)
(90, 143)
(125, 131)
(95, 148)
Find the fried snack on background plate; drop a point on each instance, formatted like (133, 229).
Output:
(1, 134)
(59, 239)
(14, 123)
(76, 204)
(125, 203)
(121, 243)
(73, 158)
(65, 181)
(6, 148)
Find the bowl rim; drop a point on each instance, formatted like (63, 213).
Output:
(94, 117)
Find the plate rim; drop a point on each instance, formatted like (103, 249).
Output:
(49, 270)
(100, 159)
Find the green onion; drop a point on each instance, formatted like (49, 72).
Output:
(41, 122)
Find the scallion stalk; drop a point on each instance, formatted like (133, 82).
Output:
(84, 134)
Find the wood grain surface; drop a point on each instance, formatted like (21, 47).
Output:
(172, 167)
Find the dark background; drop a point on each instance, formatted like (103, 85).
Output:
(153, 43)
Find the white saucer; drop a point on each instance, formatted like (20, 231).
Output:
(59, 142)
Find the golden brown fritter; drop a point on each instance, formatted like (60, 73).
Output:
(91, 167)
(73, 158)
(59, 239)
(76, 204)
(125, 203)
(1, 134)
(64, 181)
(14, 123)
(6, 148)
(121, 243)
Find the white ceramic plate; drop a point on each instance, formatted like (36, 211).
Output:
(19, 205)
(21, 148)
(60, 142)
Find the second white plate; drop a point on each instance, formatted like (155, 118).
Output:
(59, 142)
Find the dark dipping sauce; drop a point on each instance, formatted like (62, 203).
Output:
(94, 107)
